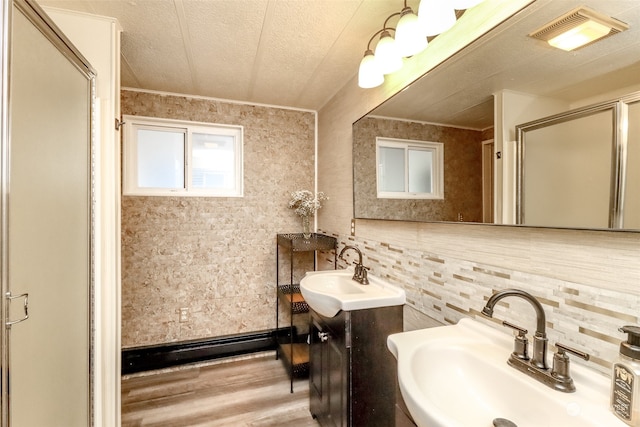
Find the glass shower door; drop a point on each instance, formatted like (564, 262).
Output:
(47, 225)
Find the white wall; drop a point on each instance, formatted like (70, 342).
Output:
(512, 109)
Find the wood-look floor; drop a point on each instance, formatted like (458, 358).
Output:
(251, 392)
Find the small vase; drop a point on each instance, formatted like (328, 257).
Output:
(306, 227)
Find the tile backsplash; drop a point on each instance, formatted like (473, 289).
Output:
(447, 289)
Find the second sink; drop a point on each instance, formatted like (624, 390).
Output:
(457, 376)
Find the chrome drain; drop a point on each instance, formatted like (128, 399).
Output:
(503, 422)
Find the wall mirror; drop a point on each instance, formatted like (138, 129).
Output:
(473, 102)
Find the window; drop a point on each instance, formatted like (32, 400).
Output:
(175, 158)
(409, 169)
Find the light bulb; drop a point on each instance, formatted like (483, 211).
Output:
(436, 16)
(581, 35)
(410, 37)
(369, 75)
(387, 58)
(465, 4)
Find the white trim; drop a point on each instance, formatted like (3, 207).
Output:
(422, 122)
(488, 172)
(133, 123)
(437, 170)
(84, 15)
(315, 165)
(209, 98)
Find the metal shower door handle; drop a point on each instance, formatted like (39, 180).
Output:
(10, 298)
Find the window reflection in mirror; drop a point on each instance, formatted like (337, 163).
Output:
(459, 179)
(392, 171)
(409, 169)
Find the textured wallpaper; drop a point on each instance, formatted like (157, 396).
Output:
(462, 172)
(214, 256)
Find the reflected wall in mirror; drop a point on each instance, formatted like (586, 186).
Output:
(462, 172)
(474, 91)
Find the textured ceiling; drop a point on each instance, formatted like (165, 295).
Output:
(280, 52)
(299, 53)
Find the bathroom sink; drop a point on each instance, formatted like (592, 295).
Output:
(330, 291)
(458, 376)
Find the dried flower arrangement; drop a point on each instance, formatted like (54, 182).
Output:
(305, 203)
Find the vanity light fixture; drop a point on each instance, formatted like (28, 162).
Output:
(465, 4)
(578, 28)
(436, 16)
(369, 75)
(408, 38)
(387, 58)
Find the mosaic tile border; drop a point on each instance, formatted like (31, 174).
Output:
(448, 289)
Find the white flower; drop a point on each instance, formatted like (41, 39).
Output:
(304, 202)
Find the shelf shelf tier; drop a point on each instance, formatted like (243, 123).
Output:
(296, 357)
(290, 294)
(297, 243)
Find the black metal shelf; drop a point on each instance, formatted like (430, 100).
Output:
(297, 243)
(295, 354)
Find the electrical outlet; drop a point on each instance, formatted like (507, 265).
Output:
(184, 314)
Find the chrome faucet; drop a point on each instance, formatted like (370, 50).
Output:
(558, 377)
(360, 273)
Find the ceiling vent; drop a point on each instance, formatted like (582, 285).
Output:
(578, 28)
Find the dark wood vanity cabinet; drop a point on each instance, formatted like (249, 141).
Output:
(352, 374)
(328, 371)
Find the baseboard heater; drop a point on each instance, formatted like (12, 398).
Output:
(140, 359)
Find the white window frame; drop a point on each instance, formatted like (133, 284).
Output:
(130, 156)
(437, 172)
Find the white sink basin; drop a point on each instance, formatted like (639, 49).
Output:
(458, 376)
(328, 292)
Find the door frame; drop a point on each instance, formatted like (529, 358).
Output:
(488, 190)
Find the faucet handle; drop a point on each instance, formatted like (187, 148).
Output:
(562, 349)
(520, 330)
(521, 343)
(357, 272)
(363, 275)
(357, 268)
(561, 361)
